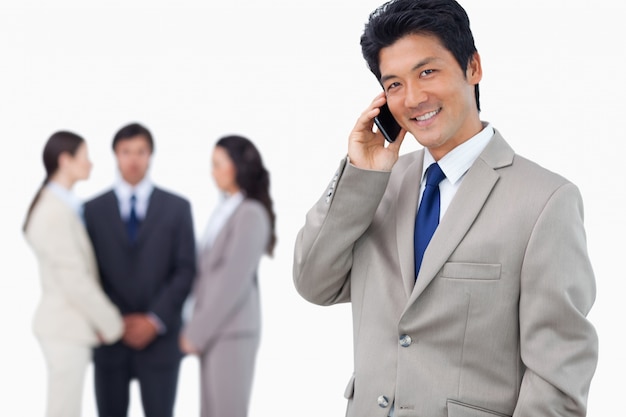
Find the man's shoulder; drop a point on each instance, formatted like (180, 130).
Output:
(406, 160)
(410, 157)
(100, 198)
(509, 164)
(536, 174)
(169, 197)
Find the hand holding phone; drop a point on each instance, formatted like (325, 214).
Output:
(387, 124)
(366, 148)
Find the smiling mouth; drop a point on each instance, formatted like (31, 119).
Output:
(427, 116)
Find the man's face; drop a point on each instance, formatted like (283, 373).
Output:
(429, 94)
(133, 158)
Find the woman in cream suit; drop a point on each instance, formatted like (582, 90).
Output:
(73, 314)
(224, 327)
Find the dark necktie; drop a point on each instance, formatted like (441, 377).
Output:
(427, 218)
(133, 222)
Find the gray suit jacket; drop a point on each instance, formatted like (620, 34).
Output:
(495, 323)
(226, 291)
(73, 306)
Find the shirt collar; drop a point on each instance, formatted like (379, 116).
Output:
(226, 207)
(456, 162)
(232, 200)
(142, 190)
(67, 196)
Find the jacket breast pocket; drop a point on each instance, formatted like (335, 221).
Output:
(464, 270)
(459, 409)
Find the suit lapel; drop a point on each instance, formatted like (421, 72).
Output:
(407, 208)
(209, 253)
(114, 217)
(463, 210)
(155, 206)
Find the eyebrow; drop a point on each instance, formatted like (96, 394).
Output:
(417, 66)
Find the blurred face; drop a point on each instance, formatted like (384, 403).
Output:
(429, 94)
(133, 158)
(76, 167)
(224, 171)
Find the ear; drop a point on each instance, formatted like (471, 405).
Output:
(64, 159)
(474, 72)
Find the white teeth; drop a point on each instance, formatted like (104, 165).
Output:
(427, 116)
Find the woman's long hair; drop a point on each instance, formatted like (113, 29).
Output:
(252, 176)
(57, 144)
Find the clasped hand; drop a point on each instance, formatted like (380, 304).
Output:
(139, 330)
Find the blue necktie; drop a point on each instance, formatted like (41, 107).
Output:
(133, 222)
(427, 218)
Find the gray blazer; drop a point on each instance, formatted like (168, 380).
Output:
(226, 291)
(495, 324)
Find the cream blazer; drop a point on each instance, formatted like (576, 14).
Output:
(494, 325)
(73, 306)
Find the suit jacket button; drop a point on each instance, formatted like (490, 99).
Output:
(383, 402)
(405, 340)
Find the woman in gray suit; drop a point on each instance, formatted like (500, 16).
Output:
(73, 314)
(224, 327)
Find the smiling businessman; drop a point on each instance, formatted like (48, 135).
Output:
(465, 263)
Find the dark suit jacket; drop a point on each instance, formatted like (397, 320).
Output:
(154, 274)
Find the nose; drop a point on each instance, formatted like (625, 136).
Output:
(415, 95)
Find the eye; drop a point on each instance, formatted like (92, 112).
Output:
(427, 72)
(391, 86)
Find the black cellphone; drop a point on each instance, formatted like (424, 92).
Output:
(387, 124)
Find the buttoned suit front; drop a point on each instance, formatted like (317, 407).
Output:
(152, 275)
(74, 314)
(225, 325)
(495, 323)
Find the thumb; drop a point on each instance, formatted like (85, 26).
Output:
(395, 145)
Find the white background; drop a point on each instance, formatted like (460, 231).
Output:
(289, 75)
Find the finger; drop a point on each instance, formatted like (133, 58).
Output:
(366, 119)
(395, 145)
(377, 99)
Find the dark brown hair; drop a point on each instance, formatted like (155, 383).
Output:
(57, 144)
(252, 176)
(130, 131)
(444, 19)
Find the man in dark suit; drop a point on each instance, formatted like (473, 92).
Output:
(145, 246)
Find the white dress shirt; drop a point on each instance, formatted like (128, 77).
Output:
(142, 192)
(225, 208)
(455, 164)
